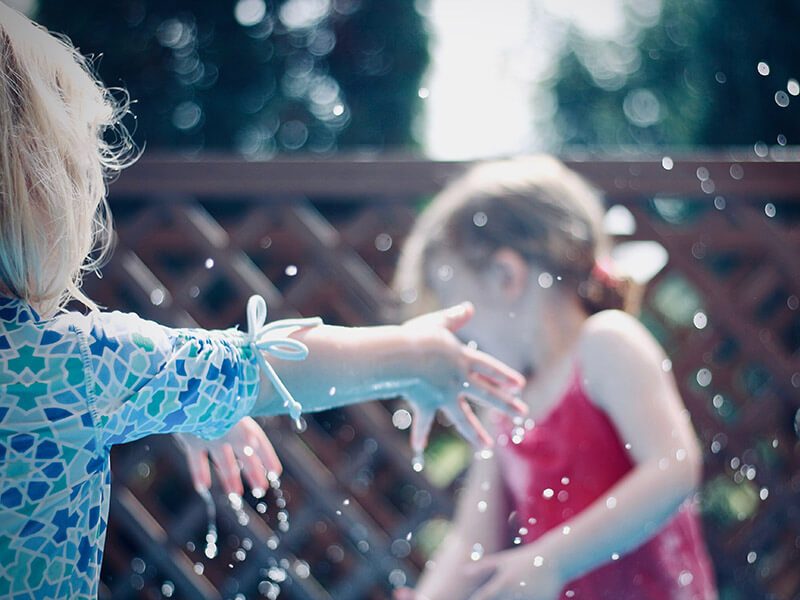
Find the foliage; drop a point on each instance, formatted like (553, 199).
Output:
(689, 76)
(259, 77)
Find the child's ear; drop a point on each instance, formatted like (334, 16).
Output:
(513, 273)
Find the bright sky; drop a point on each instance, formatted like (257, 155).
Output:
(480, 91)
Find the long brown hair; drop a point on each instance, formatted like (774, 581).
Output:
(535, 206)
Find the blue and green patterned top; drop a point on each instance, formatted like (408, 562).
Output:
(70, 388)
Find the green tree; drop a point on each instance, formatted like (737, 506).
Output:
(706, 72)
(257, 76)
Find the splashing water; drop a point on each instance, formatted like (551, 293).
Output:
(211, 513)
(418, 462)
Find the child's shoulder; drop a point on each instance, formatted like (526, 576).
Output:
(614, 340)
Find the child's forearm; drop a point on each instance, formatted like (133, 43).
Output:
(345, 365)
(447, 580)
(622, 519)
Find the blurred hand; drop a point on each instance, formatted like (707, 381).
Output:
(450, 373)
(517, 574)
(246, 443)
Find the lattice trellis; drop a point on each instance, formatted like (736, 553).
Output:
(196, 238)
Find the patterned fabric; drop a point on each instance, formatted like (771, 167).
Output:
(70, 388)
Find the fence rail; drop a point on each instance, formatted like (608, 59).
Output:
(197, 236)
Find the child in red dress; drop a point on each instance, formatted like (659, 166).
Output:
(598, 482)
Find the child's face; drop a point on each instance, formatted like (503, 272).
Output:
(504, 312)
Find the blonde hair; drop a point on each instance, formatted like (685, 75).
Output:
(54, 162)
(534, 205)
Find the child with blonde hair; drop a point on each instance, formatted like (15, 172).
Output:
(73, 385)
(591, 496)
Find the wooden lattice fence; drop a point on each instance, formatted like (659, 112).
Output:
(197, 237)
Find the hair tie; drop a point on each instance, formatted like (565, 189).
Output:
(263, 337)
(604, 271)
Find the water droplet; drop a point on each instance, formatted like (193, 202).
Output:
(545, 280)
(667, 163)
(482, 506)
(751, 557)
(719, 203)
(761, 149)
(477, 552)
(565, 530)
(685, 578)
(167, 589)
(781, 98)
(258, 492)
(401, 419)
(538, 561)
(763, 493)
(763, 69)
(332, 391)
(704, 377)
(615, 556)
(138, 565)
(211, 515)
(383, 242)
(248, 450)
(423, 93)
(291, 270)
(769, 209)
(346, 502)
(611, 502)
(702, 174)
(157, 297)
(781, 139)
(418, 462)
(397, 578)
(720, 77)
(300, 424)
(666, 365)
(565, 481)
(338, 110)
(480, 219)
(548, 493)
(209, 263)
(680, 454)
(445, 272)
(700, 320)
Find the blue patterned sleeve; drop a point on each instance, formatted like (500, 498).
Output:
(149, 378)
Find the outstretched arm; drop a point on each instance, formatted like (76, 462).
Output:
(420, 360)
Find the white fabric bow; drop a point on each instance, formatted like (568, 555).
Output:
(263, 338)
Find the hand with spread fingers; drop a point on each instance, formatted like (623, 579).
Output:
(243, 453)
(450, 373)
(521, 573)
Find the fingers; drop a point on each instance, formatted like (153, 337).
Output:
(467, 424)
(254, 470)
(404, 594)
(487, 394)
(494, 369)
(267, 455)
(420, 429)
(227, 469)
(199, 469)
(455, 317)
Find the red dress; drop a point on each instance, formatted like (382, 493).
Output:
(561, 465)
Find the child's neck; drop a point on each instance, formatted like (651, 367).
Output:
(557, 336)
